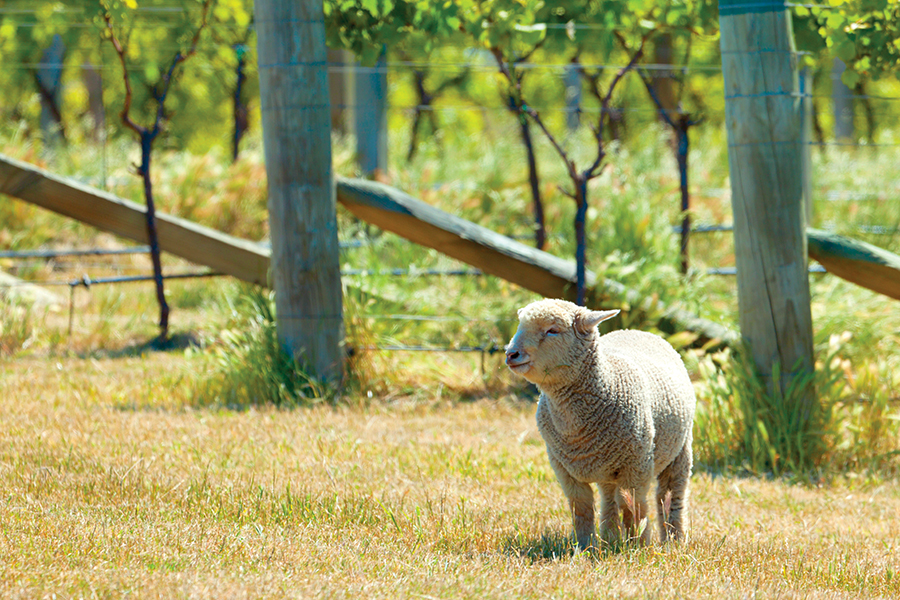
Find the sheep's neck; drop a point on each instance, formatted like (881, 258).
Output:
(588, 372)
(574, 402)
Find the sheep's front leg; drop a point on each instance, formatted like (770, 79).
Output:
(581, 502)
(609, 514)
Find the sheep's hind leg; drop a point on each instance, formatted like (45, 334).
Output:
(633, 503)
(672, 495)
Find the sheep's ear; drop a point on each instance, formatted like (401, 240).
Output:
(586, 320)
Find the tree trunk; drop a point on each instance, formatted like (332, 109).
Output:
(573, 96)
(581, 204)
(540, 231)
(423, 102)
(682, 138)
(93, 83)
(843, 104)
(340, 86)
(48, 78)
(663, 80)
(868, 112)
(152, 235)
(240, 111)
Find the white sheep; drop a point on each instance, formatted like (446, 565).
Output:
(616, 410)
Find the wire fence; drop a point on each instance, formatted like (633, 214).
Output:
(867, 105)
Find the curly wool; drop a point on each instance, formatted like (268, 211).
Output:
(616, 410)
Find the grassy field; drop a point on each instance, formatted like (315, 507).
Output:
(129, 470)
(115, 483)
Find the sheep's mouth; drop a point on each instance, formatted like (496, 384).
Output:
(520, 367)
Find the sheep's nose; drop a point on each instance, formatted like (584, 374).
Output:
(511, 355)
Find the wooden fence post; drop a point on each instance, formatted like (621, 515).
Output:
(842, 98)
(370, 113)
(48, 77)
(763, 110)
(296, 119)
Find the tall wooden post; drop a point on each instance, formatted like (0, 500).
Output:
(49, 78)
(370, 110)
(842, 97)
(296, 119)
(763, 110)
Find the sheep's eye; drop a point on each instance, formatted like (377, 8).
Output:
(553, 331)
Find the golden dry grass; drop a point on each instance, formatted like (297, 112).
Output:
(117, 481)
(114, 485)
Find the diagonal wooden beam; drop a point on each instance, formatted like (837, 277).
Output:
(535, 270)
(227, 254)
(858, 262)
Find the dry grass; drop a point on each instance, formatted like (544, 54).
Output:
(114, 485)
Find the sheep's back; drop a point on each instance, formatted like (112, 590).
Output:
(669, 389)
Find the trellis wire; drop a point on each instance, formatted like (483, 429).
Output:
(661, 70)
(65, 253)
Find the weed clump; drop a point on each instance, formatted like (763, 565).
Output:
(252, 367)
(743, 426)
(16, 327)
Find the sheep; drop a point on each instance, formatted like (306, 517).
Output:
(616, 410)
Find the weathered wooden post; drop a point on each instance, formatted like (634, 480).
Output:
(370, 111)
(296, 119)
(842, 97)
(763, 110)
(48, 77)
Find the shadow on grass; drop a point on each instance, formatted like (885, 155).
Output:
(179, 342)
(554, 545)
(550, 546)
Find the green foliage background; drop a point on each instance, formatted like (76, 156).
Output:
(861, 32)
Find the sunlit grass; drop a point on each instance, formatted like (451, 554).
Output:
(213, 467)
(114, 483)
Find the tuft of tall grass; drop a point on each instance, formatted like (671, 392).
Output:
(252, 367)
(16, 327)
(741, 425)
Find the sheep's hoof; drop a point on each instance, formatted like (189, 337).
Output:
(589, 544)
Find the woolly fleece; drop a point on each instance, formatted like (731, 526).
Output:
(616, 410)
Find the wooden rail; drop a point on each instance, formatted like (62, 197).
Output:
(400, 213)
(224, 253)
(861, 263)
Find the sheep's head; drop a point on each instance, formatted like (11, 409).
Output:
(552, 336)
